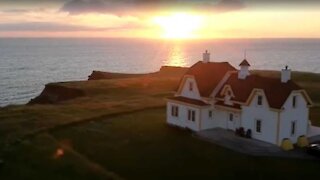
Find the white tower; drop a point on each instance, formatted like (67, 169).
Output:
(285, 75)
(244, 69)
(206, 57)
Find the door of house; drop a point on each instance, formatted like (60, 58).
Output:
(230, 121)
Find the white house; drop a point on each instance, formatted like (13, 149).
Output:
(215, 94)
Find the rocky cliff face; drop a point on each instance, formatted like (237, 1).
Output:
(57, 92)
(98, 75)
(164, 71)
(54, 93)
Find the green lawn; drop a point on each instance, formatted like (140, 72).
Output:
(141, 146)
(103, 98)
(36, 159)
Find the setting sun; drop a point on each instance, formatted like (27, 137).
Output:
(179, 25)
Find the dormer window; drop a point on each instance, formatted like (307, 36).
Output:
(259, 100)
(294, 101)
(190, 86)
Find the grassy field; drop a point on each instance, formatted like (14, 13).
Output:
(140, 146)
(101, 142)
(103, 98)
(37, 158)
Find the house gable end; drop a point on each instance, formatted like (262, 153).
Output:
(227, 90)
(181, 84)
(186, 91)
(255, 93)
(301, 93)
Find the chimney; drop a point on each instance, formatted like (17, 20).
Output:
(206, 57)
(285, 75)
(244, 69)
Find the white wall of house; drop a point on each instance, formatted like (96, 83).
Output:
(182, 119)
(177, 121)
(237, 119)
(275, 126)
(231, 124)
(299, 114)
(206, 121)
(194, 94)
(250, 114)
(221, 119)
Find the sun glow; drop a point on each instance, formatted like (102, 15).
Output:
(179, 25)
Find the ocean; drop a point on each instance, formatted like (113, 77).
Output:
(27, 64)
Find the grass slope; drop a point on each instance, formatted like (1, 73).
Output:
(103, 98)
(140, 146)
(37, 159)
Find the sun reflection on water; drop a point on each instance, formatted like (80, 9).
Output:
(177, 56)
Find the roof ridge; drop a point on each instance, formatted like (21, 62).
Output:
(208, 75)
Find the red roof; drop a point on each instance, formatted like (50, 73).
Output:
(244, 63)
(189, 101)
(208, 75)
(276, 91)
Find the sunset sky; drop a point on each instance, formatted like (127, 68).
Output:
(160, 18)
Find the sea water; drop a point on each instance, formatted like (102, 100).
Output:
(27, 64)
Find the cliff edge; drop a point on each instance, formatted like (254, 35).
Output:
(58, 92)
(54, 93)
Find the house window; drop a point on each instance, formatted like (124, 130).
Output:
(191, 115)
(293, 128)
(259, 100)
(190, 86)
(230, 117)
(210, 114)
(174, 111)
(294, 101)
(258, 126)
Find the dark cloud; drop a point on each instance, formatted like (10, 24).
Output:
(132, 7)
(136, 6)
(83, 6)
(56, 27)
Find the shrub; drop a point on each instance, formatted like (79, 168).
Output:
(241, 132)
(248, 133)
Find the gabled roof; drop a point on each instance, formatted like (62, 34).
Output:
(208, 75)
(276, 91)
(244, 63)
